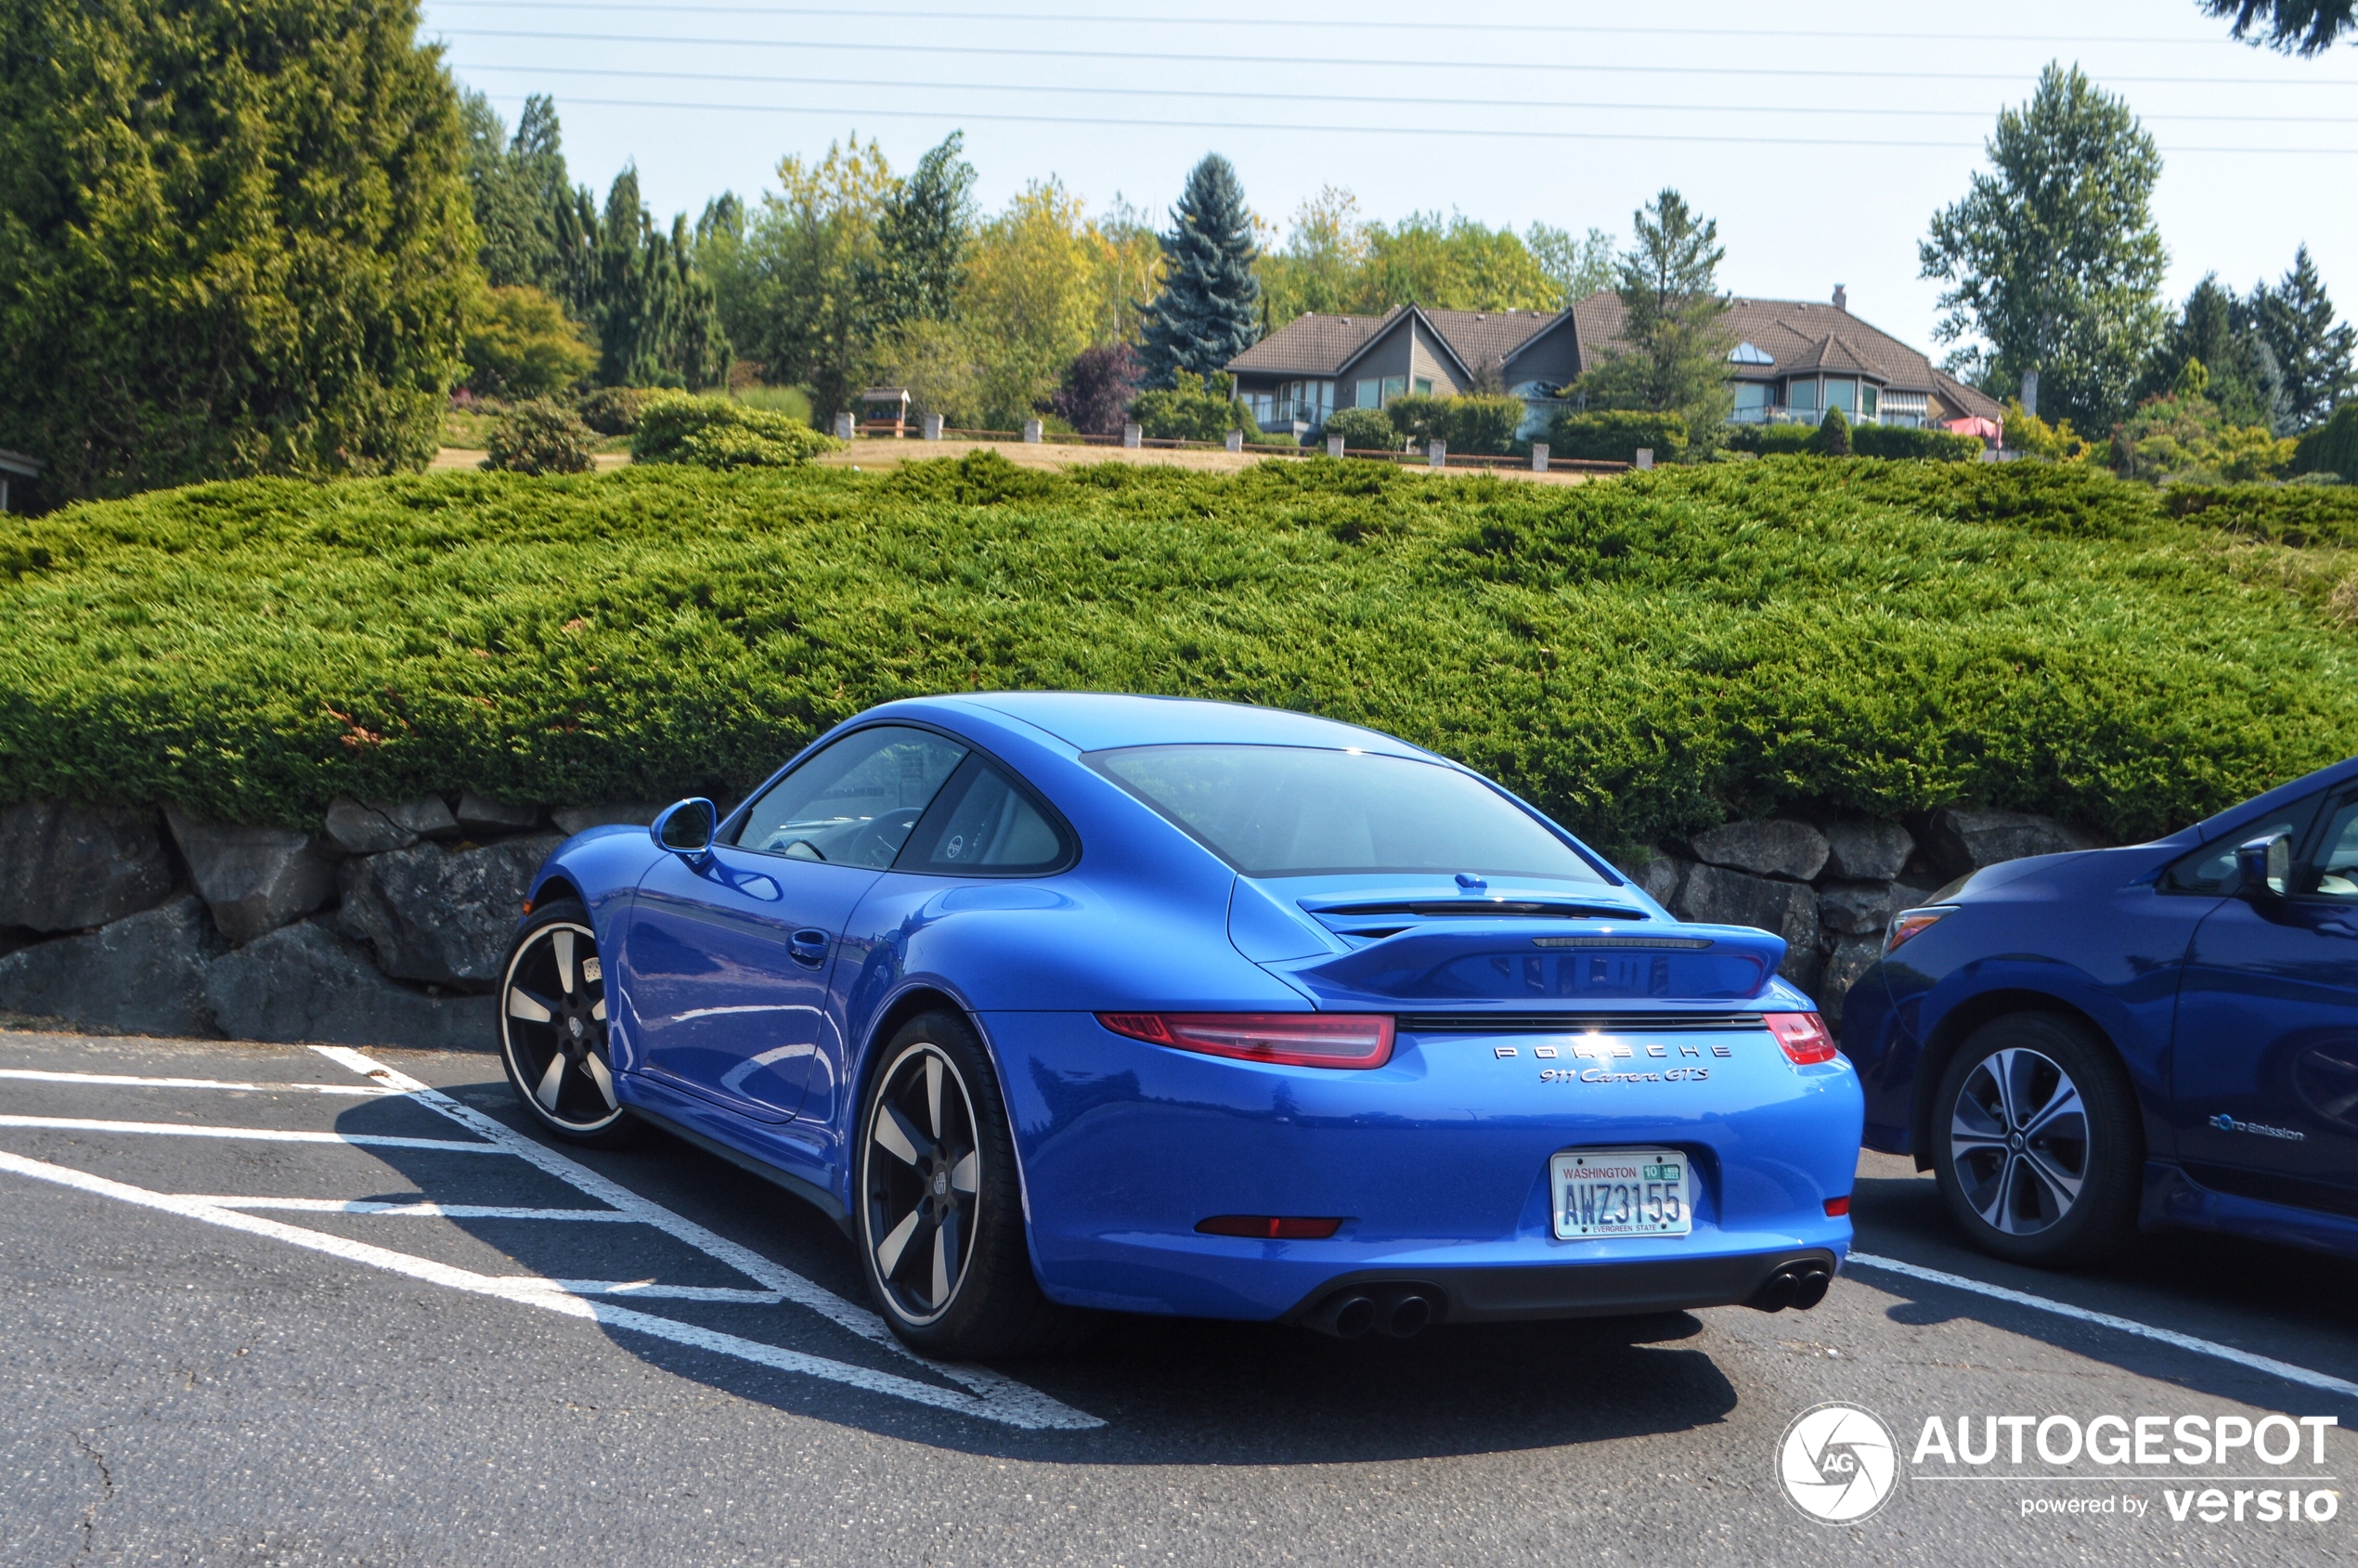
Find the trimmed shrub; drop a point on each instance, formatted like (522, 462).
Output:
(1477, 422)
(1772, 440)
(613, 410)
(2332, 447)
(717, 432)
(523, 347)
(1902, 442)
(1195, 410)
(1834, 435)
(1614, 435)
(1364, 430)
(539, 437)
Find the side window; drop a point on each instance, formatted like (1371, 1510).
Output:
(983, 825)
(2332, 871)
(854, 803)
(2211, 869)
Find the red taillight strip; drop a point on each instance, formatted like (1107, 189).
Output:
(1837, 1207)
(1333, 1039)
(1802, 1037)
(1270, 1227)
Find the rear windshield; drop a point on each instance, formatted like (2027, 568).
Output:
(1272, 811)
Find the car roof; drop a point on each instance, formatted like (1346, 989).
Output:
(1099, 720)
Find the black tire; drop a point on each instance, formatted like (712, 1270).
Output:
(552, 1029)
(938, 1204)
(2037, 1142)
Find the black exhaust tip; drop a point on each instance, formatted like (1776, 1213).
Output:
(1404, 1315)
(1776, 1293)
(1811, 1288)
(1345, 1315)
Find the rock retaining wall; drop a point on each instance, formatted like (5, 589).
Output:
(389, 924)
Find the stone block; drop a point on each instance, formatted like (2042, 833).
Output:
(1719, 897)
(480, 813)
(68, 868)
(1777, 848)
(1866, 850)
(1660, 877)
(571, 820)
(1849, 959)
(255, 879)
(1854, 908)
(373, 827)
(143, 974)
(303, 982)
(439, 915)
(1963, 841)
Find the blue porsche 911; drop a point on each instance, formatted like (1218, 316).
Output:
(1062, 1002)
(2161, 1034)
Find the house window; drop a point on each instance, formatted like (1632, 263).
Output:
(1866, 400)
(1843, 396)
(1903, 409)
(1802, 397)
(1752, 402)
(1393, 386)
(1424, 386)
(1367, 396)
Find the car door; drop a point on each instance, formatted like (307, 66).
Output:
(2265, 1058)
(727, 952)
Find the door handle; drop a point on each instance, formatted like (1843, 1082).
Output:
(809, 948)
(2338, 927)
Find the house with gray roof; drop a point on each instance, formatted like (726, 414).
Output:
(1791, 359)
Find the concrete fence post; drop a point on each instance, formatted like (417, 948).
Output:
(1437, 453)
(1236, 441)
(933, 427)
(1645, 456)
(1538, 457)
(1130, 433)
(1334, 445)
(844, 428)
(1031, 430)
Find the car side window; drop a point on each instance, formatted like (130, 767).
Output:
(983, 825)
(854, 803)
(2331, 872)
(2211, 869)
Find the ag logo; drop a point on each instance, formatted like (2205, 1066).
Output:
(1837, 1463)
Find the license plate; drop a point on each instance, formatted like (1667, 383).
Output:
(1621, 1192)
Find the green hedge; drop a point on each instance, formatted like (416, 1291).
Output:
(1901, 442)
(1364, 430)
(679, 427)
(1644, 657)
(1478, 422)
(1615, 435)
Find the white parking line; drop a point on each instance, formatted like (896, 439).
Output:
(256, 1134)
(126, 1081)
(538, 1293)
(418, 1210)
(2273, 1368)
(1024, 1406)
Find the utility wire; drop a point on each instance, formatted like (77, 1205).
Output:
(1348, 97)
(1160, 57)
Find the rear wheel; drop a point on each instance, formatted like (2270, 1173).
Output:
(2036, 1142)
(552, 1028)
(940, 1208)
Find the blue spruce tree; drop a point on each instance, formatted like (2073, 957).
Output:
(1209, 309)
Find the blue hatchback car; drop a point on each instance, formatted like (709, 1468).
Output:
(1064, 1002)
(2165, 1034)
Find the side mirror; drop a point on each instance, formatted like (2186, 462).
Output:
(685, 828)
(2265, 866)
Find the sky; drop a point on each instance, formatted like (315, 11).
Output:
(1821, 140)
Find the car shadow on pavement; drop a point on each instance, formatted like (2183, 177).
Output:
(1171, 1391)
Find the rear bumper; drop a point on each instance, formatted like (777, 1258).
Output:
(1515, 1294)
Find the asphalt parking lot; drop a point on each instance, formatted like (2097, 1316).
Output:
(274, 1305)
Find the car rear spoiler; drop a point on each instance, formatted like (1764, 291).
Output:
(1556, 961)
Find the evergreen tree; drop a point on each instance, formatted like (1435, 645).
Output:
(2296, 320)
(2053, 256)
(1209, 310)
(2222, 332)
(639, 288)
(233, 240)
(1673, 340)
(921, 235)
(518, 186)
(2292, 27)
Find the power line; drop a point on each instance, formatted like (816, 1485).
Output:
(1347, 97)
(870, 111)
(1356, 24)
(1159, 58)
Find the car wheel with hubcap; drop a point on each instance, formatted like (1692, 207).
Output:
(937, 1206)
(2036, 1140)
(552, 1028)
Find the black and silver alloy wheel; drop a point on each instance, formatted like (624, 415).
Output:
(553, 1026)
(2037, 1141)
(922, 1183)
(2018, 1139)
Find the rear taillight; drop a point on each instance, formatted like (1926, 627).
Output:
(1353, 1039)
(1837, 1207)
(1804, 1037)
(1270, 1227)
(1911, 921)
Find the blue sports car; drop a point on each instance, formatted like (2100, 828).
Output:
(2164, 1034)
(1061, 1001)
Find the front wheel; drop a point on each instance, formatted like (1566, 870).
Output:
(552, 1028)
(2036, 1142)
(938, 1205)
